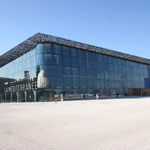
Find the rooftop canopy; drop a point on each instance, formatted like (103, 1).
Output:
(31, 42)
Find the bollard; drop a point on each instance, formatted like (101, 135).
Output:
(61, 96)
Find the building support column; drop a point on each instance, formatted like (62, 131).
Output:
(11, 97)
(17, 96)
(35, 95)
(5, 97)
(25, 96)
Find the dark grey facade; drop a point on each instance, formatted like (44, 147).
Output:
(44, 65)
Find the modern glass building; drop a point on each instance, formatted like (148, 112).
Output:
(44, 65)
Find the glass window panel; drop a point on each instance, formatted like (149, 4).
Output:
(82, 54)
(115, 60)
(100, 75)
(69, 91)
(32, 61)
(39, 49)
(90, 83)
(101, 66)
(95, 65)
(106, 59)
(75, 72)
(110, 60)
(66, 50)
(100, 57)
(67, 60)
(75, 82)
(106, 67)
(58, 71)
(89, 55)
(76, 91)
(52, 82)
(74, 52)
(82, 63)
(68, 82)
(95, 56)
(83, 91)
(90, 64)
(116, 68)
(58, 60)
(50, 70)
(48, 59)
(90, 73)
(42, 67)
(75, 62)
(67, 71)
(112, 67)
(83, 73)
(59, 82)
(90, 91)
(47, 48)
(82, 82)
(39, 59)
(24, 57)
(57, 49)
(28, 65)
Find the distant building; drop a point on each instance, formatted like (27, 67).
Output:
(44, 65)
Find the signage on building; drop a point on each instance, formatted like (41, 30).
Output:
(20, 86)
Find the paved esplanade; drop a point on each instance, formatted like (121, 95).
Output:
(118, 124)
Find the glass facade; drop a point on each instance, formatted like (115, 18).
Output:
(75, 71)
(16, 68)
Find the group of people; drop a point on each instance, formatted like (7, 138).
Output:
(97, 96)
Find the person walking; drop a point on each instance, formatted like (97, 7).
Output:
(56, 97)
(83, 96)
(97, 97)
(117, 94)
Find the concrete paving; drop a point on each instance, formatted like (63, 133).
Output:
(115, 124)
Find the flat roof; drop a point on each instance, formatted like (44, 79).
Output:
(38, 38)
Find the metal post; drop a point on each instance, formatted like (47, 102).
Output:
(5, 97)
(35, 95)
(61, 96)
(17, 96)
(25, 94)
(11, 96)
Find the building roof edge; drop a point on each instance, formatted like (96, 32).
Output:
(31, 42)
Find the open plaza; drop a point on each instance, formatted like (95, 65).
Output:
(105, 124)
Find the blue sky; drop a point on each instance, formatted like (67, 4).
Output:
(122, 25)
